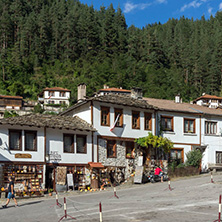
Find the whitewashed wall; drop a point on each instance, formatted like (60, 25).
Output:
(5, 155)
(126, 131)
(213, 142)
(54, 142)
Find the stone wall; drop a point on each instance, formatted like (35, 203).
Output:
(120, 160)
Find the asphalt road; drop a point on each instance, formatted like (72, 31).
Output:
(191, 199)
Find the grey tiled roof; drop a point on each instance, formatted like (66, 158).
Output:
(124, 100)
(49, 121)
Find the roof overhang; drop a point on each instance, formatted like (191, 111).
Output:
(96, 165)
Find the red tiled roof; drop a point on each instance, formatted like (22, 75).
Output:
(115, 90)
(95, 165)
(56, 89)
(10, 97)
(206, 96)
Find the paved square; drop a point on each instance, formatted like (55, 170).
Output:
(192, 199)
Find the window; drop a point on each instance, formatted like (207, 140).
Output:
(167, 123)
(148, 121)
(135, 119)
(81, 144)
(111, 149)
(177, 154)
(68, 143)
(30, 140)
(15, 139)
(51, 93)
(119, 115)
(62, 102)
(129, 149)
(218, 157)
(210, 128)
(189, 126)
(62, 94)
(105, 116)
(51, 102)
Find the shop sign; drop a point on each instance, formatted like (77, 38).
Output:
(70, 180)
(55, 156)
(23, 155)
(138, 174)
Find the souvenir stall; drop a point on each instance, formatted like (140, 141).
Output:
(95, 171)
(28, 178)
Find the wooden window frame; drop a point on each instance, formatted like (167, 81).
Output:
(72, 148)
(218, 152)
(120, 120)
(172, 125)
(205, 130)
(182, 153)
(114, 148)
(35, 140)
(194, 125)
(108, 115)
(148, 117)
(52, 93)
(62, 94)
(20, 139)
(132, 155)
(85, 146)
(137, 121)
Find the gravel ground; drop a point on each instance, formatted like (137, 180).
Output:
(191, 199)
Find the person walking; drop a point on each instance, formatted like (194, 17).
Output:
(11, 193)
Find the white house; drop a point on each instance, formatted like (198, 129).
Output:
(188, 126)
(210, 101)
(55, 95)
(133, 117)
(44, 148)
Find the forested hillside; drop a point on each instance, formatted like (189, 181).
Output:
(46, 43)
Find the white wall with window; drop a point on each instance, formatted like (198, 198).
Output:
(21, 140)
(179, 127)
(56, 97)
(212, 138)
(73, 146)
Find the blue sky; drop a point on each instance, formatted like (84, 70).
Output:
(143, 12)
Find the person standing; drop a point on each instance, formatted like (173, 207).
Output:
(11, 193)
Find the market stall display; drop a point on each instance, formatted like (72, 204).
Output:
(28, 179)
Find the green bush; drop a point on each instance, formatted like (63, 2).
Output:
(11, 113)
(38, 109)
(194, 158)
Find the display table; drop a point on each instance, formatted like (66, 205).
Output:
(30, 193)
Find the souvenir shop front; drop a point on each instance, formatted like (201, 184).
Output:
(65, 176)
(28, 178)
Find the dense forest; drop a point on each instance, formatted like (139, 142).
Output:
(47, 43)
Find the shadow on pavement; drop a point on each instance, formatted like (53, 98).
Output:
(22, 205)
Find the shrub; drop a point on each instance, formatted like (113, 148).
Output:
(193, 158)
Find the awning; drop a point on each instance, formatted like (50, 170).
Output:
(95, 165)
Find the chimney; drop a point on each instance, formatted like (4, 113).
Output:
(136, 93)
(178, 99)
(81, 92)
(105, 87)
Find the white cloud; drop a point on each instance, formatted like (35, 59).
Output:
(194, 4)
(220, 6)
(210, 10)
(128, 7)
(161, 1)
